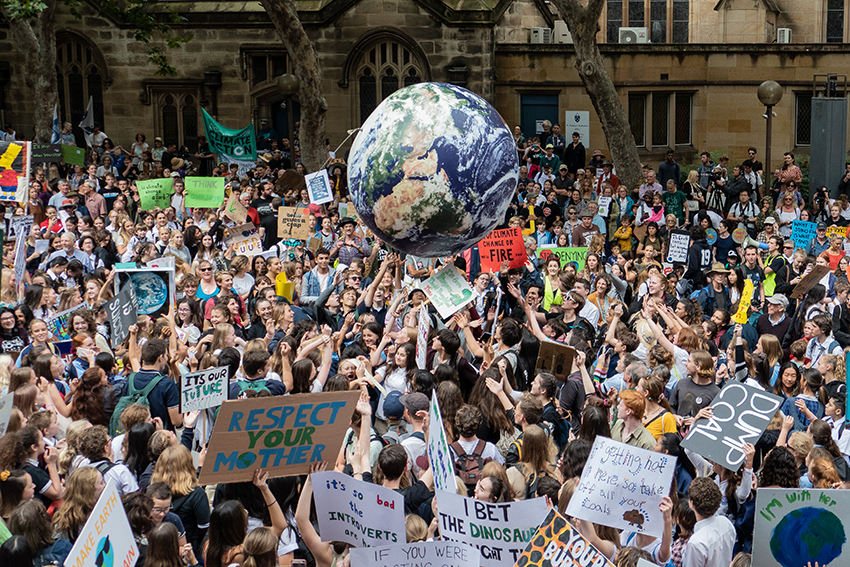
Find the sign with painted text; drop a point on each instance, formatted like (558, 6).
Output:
(319, 187)
(604, 205)
(622, 487)
(47, 153)
(557, 542)
(6, 404)
(448, 291)
(802, 232)
(439, 455)
(60, 324)
(155, 193)
(680, 241)
(502, 245)
(422, 553)
(203, 389)
(282, 434)
(810, 280)
(235, 211)
(245, 239)
(356, 512)
(556, 359)
(500, 531)
(204, 192)
(240, 145)
(293, 222)
(742, 315)
(422, 338)
(741, 415)
(574, 255)
(123, 313)
(836, 231)
(106, 538)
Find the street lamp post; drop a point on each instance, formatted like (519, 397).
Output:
(769, 93)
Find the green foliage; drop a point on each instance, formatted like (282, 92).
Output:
(802, 161)
(686, 168)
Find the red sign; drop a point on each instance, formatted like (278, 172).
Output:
(503, 245)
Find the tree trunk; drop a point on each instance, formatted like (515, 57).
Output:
(583, 22)
(305, 66)
(36, 38)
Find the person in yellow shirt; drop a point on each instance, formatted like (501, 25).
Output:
(658, 419)
(623, 235)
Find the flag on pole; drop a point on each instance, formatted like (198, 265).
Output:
(87, 123)
(56, 136)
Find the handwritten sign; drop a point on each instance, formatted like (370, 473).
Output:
(422, 339)
(504, 245)
(360, 513)
(319, 187)
(123, 313)
(6, 404)
(281, 434)
(680, 240)
(500, 531)
(448, 291)
(155, 193)
(556, 359)
(836, 231)
(802, 232)
(575, 256)
(742, 315)
(293, 222)
(438, 450)
(314, 244)
(204, 192)
(561, 544)
(622, 486)
(741, 414)
(245, 239)
(204, 389)
(235, 211)
(422, 553)
(106, 537)
(796, 526)
(604, 205)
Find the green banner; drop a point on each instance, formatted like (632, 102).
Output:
(575, 256)
(235, 144)
(204, 192)
(155, 193)
(73, 155)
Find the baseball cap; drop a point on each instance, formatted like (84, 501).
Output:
(821, 226)
(563, 167)
(550, 147)
(770, 220)
(415, 402)
(392, 406)
(778, 300)
(586, 214)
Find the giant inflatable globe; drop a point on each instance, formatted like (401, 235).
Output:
(433, 169)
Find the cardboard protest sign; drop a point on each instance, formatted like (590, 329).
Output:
(448, 291)
(245, 239)
(503, 245)
(15, 164)
(314, 244)
(500, 531)
(293, 222)
(422, 339)
(802, 232)
(155, 193)
(575, 256)
(204, 192)
(439, 455)
(73, 155)
(795, 526)
(557, 542)
(47, 153)
(155, 288)
(742, 316)
(556, 359)
(281, 434)
(6, 404)
(622, 486)
(809, 281)
(235, 211)
(360, 513)
(604, 205)
(319, 187)
(741, 414)
(240, 145)
(203, 389)
(422, 553)
(123, 313)
(836, 231)
(106, 538)
(680, 240)
(60, 324)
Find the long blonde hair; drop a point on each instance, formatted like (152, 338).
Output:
(260, 548)
(538, 453)
(772, 349)
(71, 450)
(836, 362)
(176, 468)
(78, 502)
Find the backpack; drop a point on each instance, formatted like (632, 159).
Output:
(469, 465)
(133, 396)
(253, 385)
(103, 466)
(531, 487)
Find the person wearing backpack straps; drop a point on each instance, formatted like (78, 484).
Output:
(470, 453)
(256, 366)
(538, 460)
(163, 399)
(416, 443)
(527, 413)
(822, 342)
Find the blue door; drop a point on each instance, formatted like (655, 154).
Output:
(538, 108)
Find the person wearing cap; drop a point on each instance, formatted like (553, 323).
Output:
(265, 135)
(596, 161)
(550, 159)
(608, 176)
(416, 407)
(350, 246)
(393, 411)
(820, 243)
(585, 232)
(650, 186)
(715, 295)
(774, 321)
(563, 184)
(545, 174)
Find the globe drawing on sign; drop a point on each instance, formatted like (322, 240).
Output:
(151, 292)
(433, 169)
(807, 535)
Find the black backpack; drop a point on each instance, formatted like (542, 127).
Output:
(468, 466)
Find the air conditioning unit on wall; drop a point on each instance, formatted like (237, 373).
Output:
(562, 32)
(783, 35)
(541, 35)
(634, 35)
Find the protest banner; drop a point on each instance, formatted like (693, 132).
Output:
(204, 192)
(604, 204)
(680, 240)
(238, 145)
(502, 245)
(575, 256)
(293, 222)
(73, 155)
(60, 324)
(421, 553)
(314, 244)
(809, 281)
(235, 211)
(439, 455)
(6, 404)
(798, 526)
(281, 434)
(20, 259)
(245, 239)
(319, 187)
(557, 542)
(155, 288)
(422, 339)
(556, 359)
(19, 226)
(448, 291)
(621, 486)
(356, 512)
(123, 313)
(106, 538)
(499, 531)
(742, 315)
(47, 153)
(203, 389)
(155, 193)
(15, 164)
(741, 414)
(836, 231)
(802, 232)
(42, 245)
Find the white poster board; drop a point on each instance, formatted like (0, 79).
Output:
(422, 338)
(438, 450)
(430, 553)
(6, 405)
(448, 291)
(679, 243)
(622, 486)
(204, 389)
(106, 539)
(319, 187)
(577, 121)
(604, 204)
(245, 239)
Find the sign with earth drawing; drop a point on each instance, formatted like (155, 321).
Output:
(448, 291)
(155, 288)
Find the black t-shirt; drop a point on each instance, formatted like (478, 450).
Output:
(164, 395)
(572, 400)
(688, 397)
(268, 220)
(42, 482)
(550, 212)
(109, 195)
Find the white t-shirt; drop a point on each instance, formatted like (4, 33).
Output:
(490, 451)
(244, 284)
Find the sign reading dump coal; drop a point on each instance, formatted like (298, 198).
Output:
(283, 435)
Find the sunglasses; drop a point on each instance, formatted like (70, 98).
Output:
(204, 269)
